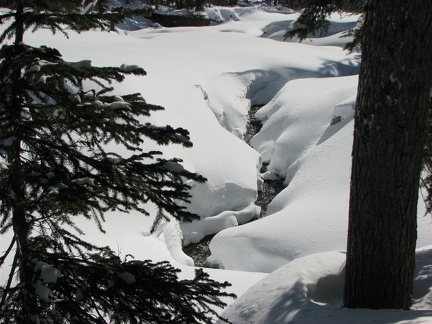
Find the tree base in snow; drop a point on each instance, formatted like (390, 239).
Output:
(309, 290)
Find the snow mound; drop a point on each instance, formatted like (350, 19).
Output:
(309, 290)
(310, 215)
(293, 111)
(335, 35)
(195, 231)
(232, 95)
(220, 14)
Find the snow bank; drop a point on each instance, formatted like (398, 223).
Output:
(294, 121)
(335, 35)
(310, 215)
(195, 231)
(309, 290)
(307, 137)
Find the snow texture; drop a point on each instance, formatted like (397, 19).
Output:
(310, 289)
(207, 79)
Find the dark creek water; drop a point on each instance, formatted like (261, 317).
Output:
(200, 252)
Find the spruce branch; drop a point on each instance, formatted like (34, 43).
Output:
(8, 250)
(60, 136)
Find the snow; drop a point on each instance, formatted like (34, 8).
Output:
(80, 65)
(48, 275)
(127, 277)
(42, 291)
(129, 68)
(310, 214)
(195, 231)
(207, 78)
(174, 237)
(309, 290)
(81, 181)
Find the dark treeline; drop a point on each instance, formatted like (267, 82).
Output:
(198, 5)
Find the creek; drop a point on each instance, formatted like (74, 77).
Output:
(199, 252)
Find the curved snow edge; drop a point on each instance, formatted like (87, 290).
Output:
(284, 295)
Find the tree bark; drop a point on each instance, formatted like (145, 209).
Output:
(389, 137)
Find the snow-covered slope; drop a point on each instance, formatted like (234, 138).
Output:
(310, 215)
(309, 290)
(307, 139)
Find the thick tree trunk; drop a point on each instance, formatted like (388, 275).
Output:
(392, 104)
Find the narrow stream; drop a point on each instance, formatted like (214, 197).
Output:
(270, 188)
(200, 252)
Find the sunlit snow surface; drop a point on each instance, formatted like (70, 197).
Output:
(309, 290)
(207, 78)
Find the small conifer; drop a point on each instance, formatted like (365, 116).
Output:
(57, 163)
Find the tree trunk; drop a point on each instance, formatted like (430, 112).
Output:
(21, 227)
(389, 138)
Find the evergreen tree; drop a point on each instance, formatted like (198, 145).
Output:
(391, 143)
(56, 165)
(314, 18)
(388, 152)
